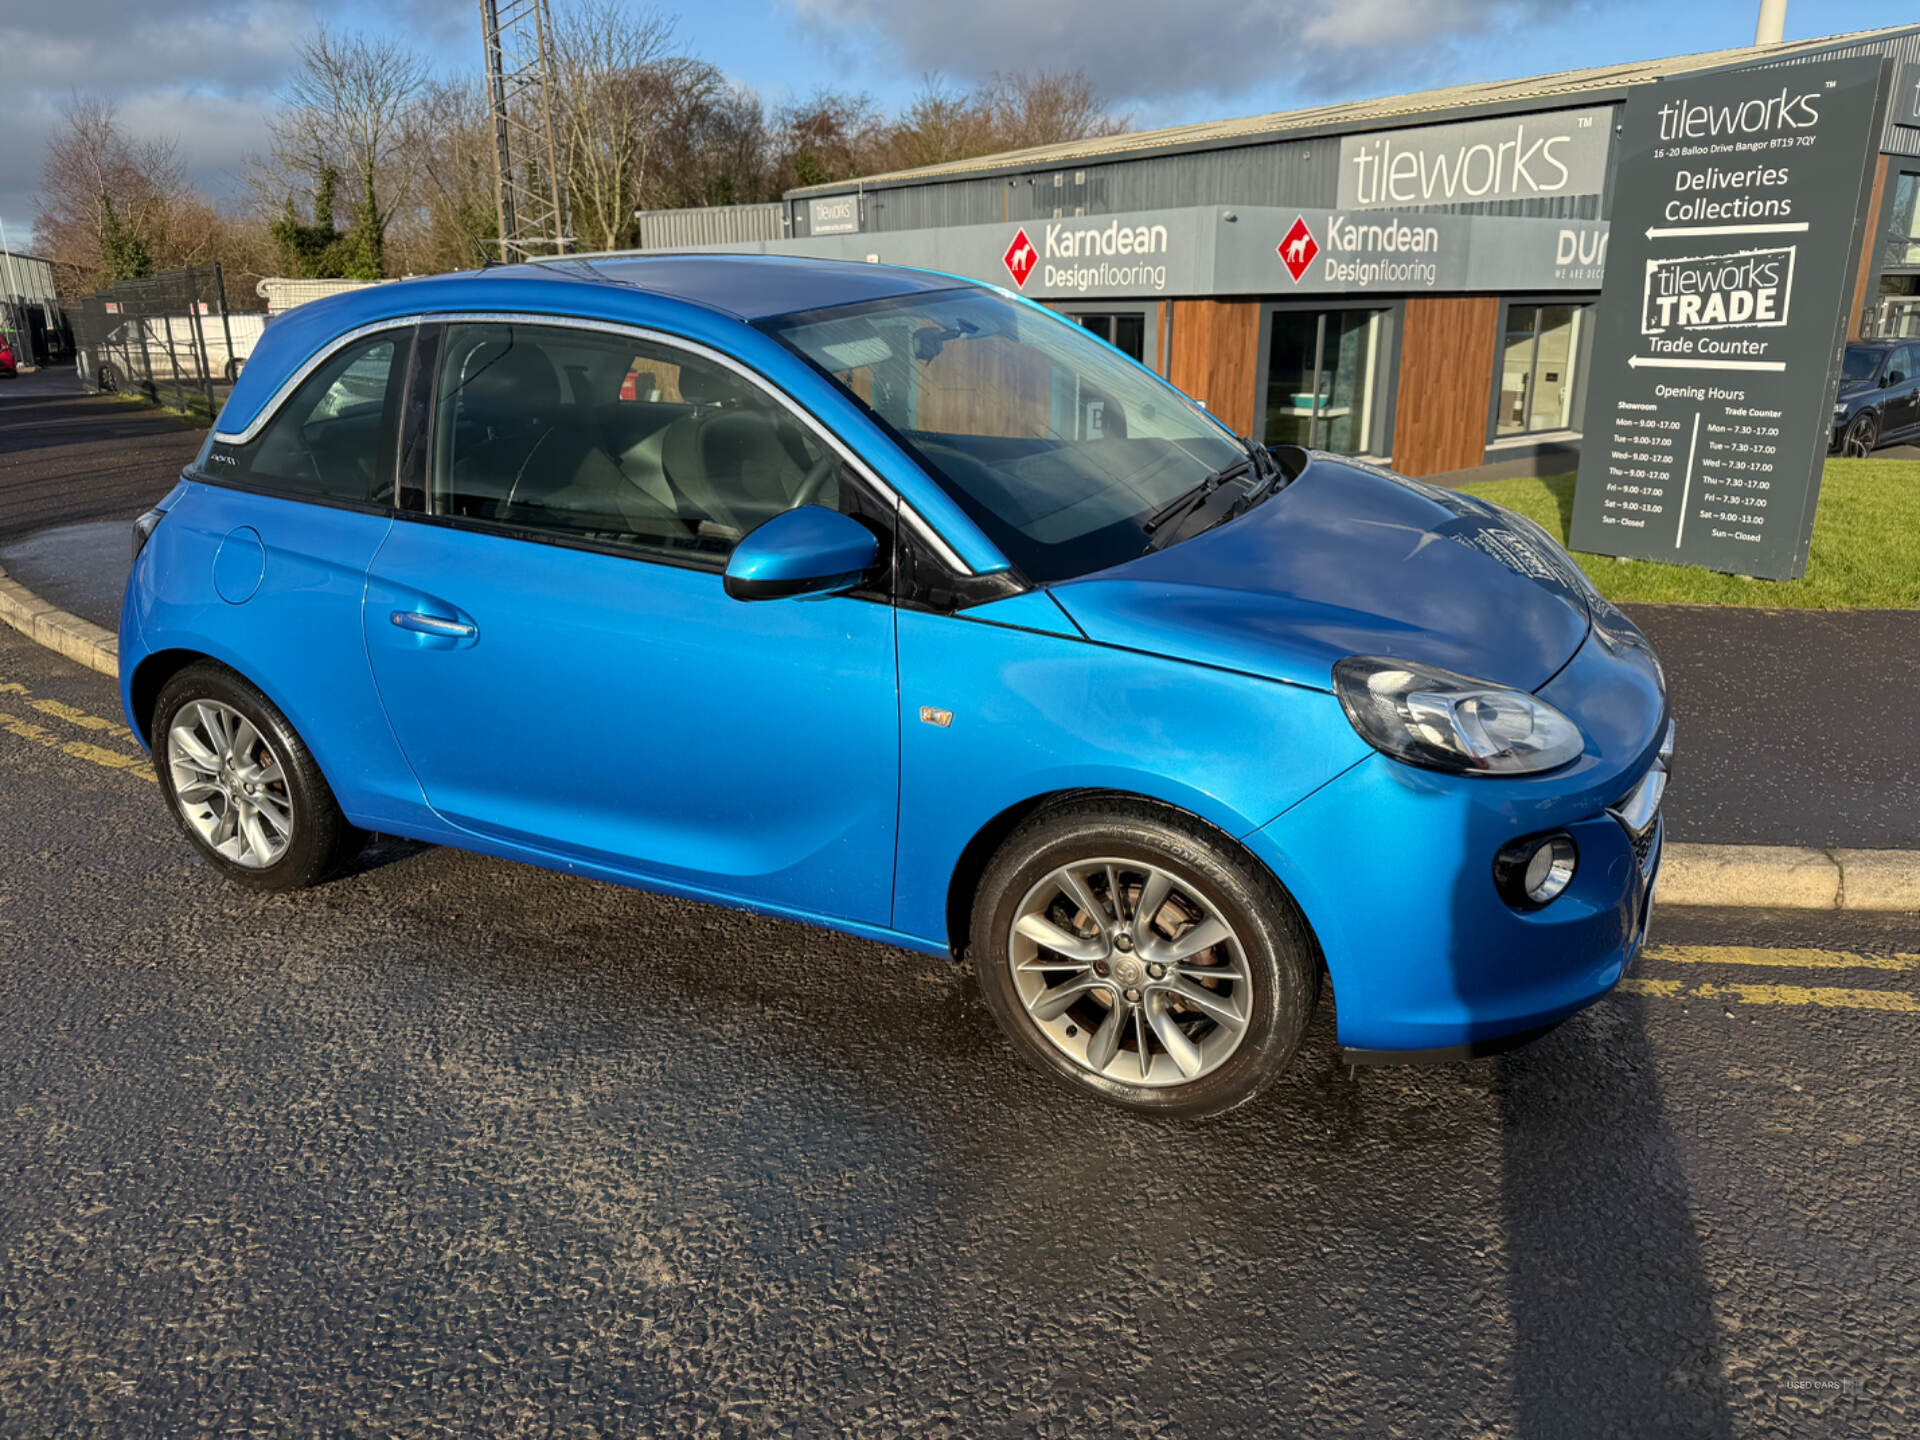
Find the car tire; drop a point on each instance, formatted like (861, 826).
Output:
(242, 785)
(1237, 1008)
(1863, 433)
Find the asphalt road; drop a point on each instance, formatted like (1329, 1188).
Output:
(66, 457)
(1795, 727)
(455, 1147)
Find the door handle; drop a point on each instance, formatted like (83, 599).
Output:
(425, 624)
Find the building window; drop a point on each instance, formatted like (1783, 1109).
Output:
(1902, 246)
(1538, 354)
(1322, 389)
(1126, 331)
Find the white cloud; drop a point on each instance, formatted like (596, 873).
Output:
(200, 72)
(1146, 50)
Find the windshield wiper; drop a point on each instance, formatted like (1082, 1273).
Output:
(1272, 474)
(1187, 501)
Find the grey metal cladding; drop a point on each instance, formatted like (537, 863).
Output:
(1290, 172)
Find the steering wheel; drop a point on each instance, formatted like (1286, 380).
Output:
(815, 481)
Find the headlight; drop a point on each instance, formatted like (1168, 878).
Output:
(1840, 409)
(1431, 717)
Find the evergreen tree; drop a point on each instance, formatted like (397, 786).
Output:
(362, 250)
(310, 251)
(122, 251)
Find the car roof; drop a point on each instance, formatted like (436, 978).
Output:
(750, 287)
(703, 296)
(1876, 344)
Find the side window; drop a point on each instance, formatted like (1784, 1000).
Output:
(1899, 367)
(334, 437)
(607, 438)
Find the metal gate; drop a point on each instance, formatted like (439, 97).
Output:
(167, 337)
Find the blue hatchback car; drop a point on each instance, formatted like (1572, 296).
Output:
(896, 604)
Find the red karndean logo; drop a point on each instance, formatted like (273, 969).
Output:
(1298, 249)
(1020, 259)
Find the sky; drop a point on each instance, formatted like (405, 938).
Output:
(204, 72)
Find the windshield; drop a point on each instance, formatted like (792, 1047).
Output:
(1860, 363)
(1057, 445)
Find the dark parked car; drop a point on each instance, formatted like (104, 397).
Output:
(1879, 396)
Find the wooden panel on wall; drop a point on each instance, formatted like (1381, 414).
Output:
(1214, 355)
(986, 385)
(1869, 248)
(1447, 350)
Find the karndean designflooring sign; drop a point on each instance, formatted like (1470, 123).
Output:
(1736, 223)
(1235, 250)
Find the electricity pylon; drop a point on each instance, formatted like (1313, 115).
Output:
(528, 199)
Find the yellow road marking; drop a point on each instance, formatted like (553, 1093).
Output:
(1832, 997)
(1827, 995)
(1634, 985)
(78, 749)
(75, 716)
(1785, 958)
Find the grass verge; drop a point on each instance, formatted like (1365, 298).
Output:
(1865, 555)
(196, 415)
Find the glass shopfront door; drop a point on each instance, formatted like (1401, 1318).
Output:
(1537, 359)
(1322, 384)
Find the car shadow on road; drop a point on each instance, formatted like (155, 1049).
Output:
(1612, 1313)
(379, 852)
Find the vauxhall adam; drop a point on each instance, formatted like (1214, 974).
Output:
(899, 605)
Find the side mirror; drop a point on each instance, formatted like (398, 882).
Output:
(808, 551)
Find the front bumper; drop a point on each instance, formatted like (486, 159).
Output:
(1427, 961)
(1393, 866)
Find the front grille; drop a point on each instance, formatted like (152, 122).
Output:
(1638, 812)
(1646, 845)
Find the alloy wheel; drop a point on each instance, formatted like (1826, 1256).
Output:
(1861, 435)
(229, 784)
(1131, 972)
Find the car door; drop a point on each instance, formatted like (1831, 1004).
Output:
(559, 658)
(292, 509)
(1900, 411)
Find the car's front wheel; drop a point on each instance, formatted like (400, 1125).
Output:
(1863, 433)
(1127, 950)
(243, 785)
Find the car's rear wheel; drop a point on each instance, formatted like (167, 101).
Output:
(242, 784)
(1127, 950)
(1863, 433)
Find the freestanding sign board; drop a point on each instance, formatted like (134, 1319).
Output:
(1736, 218)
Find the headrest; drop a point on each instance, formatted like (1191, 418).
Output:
(708, 385)
(502, 376)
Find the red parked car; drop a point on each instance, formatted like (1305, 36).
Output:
(6, 359)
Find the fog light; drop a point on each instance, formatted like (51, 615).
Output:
(1536, 871)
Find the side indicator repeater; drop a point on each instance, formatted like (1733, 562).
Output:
(931, 716)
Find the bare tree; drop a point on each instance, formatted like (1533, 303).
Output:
(345, 111)
(448, 140)
(829, 136)
(1024, 108)
(941, 124)
(1012, 111)
(617, 84)
(106, 197)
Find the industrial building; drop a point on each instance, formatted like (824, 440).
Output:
(31, 316)
(1408, 279)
